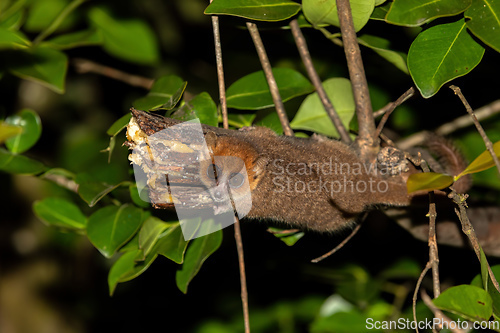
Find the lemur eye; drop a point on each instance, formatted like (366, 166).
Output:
(236, 180)
(213, 171)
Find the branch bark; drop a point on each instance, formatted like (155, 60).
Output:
(87, 66)
(366, 139)
(487, 141)
(225, 123)
(273, 87)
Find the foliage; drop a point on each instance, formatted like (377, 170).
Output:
(38, 37)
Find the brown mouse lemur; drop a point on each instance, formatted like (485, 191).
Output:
(314, 183)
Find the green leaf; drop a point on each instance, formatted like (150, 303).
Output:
(484, 21)
(380, 12)
(58, 172)
(313, 117)
(381, 46)
(241, 120)
(272, 121)
(119, 125)
(428, 181)
(92, 191)
(42, 13)
(111, 227)
(471, 302)
(261, 10)
(60, 212)
(251, 92)
(343, 321)
(441, 54)
(127, 268)
(121, 267)
(75, 39)
(31, 126)
(171, 244)
(12, 39)
(487, 283)
(286, 237)
(13, 16)
(202, 106)
(19, 164)
(8, 131)
(402, 269)
(150, 231)
(134, 195)
(321, 12)
(199, 250)
(482, 162)
(43, 65)
(131, 40)
(412, 13)
(164, 95)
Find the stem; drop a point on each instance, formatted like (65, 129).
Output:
(58, 20)
(243, 278)
(225, 123)
(487, 141)
(316, 81)
(389, 108)
(341, 245)
(273, 87)
(87, 66)
(364, 112)
(220, 71)
(452, 126)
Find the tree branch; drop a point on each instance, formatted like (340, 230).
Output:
(450, 127)
(468, 230)
(487, 141)
(341, 245)
(316, 81)
(273, 87)
(366, 139)
(220, 71)
(389, 108)
(87, 66)
(225, 123)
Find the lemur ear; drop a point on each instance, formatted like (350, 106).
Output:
(211, 140)
(261, 164)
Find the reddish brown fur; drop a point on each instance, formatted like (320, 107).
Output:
(266, 155)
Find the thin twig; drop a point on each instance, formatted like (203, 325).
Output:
(316, 81)
(338, 247)
(225, 124)
(220, 71)
(387, 110)
(243, 278)
(433, 248)
(487, 141)
(364, 112)
(468, 230)
(87, 66)
(440, 315)
(452, 126)
(417, 288)
(273, 87)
